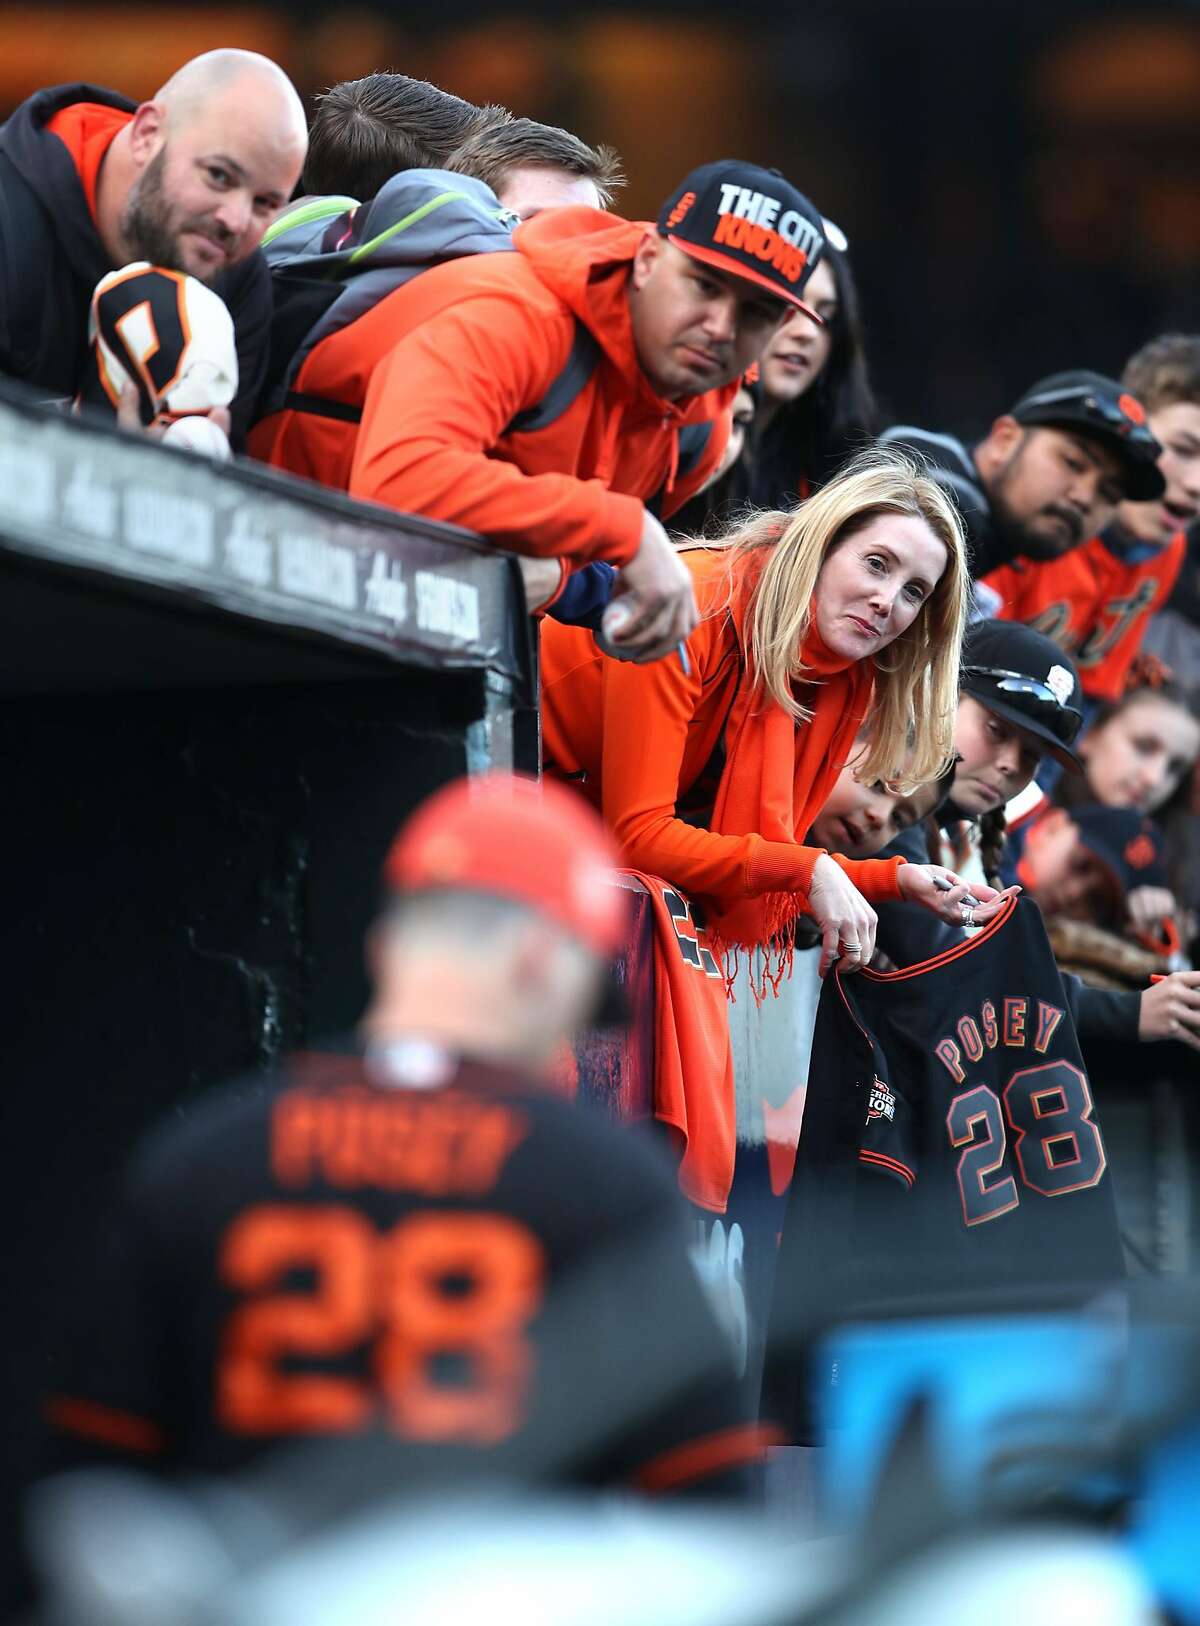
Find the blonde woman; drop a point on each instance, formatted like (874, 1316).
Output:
(710, 765)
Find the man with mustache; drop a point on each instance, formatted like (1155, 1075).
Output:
(1097, 602)
(563, 398)
(188, 180)
(1047, 475)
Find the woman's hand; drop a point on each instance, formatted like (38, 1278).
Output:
(919, 883)
(1170, 1009)
(846, 919)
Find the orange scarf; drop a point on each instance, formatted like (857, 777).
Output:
(778, 776)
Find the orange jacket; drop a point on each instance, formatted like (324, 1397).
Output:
(444, 364)
(637, 739)
(1095, 602)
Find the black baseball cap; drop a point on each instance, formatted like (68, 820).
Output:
(1025, 677)
(1127, 844)
(1102, 409)
(750, 222)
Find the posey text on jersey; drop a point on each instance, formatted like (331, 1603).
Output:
(1010, 1027)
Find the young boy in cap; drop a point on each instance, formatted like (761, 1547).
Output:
(1082, 863)
(419, 1245)
(563, 398)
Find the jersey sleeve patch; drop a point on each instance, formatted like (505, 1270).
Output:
(889, 1134)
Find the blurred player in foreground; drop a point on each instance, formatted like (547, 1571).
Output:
(418, 1243)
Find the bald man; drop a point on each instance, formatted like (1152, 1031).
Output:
(190, 180)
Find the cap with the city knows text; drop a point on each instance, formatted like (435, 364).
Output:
(538, 844)
(750, 222)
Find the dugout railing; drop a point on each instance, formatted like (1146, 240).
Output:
(221, 690)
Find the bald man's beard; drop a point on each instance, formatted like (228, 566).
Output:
(151, 231)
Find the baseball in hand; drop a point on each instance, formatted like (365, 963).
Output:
(198, 434)
(614, 620)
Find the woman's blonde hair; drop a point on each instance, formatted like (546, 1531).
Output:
(911, 721)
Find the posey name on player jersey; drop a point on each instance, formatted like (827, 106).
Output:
(412, 1247)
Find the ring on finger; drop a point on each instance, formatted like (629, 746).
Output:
(968, 914)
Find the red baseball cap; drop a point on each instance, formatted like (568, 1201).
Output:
(537, 843)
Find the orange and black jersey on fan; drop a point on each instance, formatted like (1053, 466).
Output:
(949, 1142)
(408, 1247)
(1095, 602)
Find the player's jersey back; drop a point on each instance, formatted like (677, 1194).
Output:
(406, 1245)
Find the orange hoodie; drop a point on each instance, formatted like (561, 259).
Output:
(444, 364)
(638, 741)
(88, 130)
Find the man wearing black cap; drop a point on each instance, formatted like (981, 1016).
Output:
(1050, 473)
(1098, 601)
(562, 398)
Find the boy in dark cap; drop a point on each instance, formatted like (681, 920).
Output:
(1019, 703)
(1083, 862)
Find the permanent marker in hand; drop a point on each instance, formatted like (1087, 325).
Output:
(943, 885)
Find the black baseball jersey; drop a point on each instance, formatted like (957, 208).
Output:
(950, 1142)
(412, 1247)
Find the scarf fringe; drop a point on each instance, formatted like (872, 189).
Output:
(776, 952)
